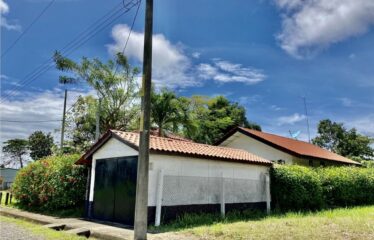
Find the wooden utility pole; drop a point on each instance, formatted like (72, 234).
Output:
(141, 202)
(63, 123)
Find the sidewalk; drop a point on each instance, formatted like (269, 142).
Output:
(97, 230)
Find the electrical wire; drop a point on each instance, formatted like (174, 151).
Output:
(49, 62)
(75, 44)
(128, 37)
(28, 28)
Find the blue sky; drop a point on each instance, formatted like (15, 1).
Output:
(264, 54)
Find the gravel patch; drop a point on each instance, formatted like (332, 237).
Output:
(11, 231)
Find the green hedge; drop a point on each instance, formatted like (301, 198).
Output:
(304, 188)
(347, 186)
(295, 187)
(52, 183)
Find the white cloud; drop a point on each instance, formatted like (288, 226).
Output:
(9, 25)
(364, 124)
(275, 108)
(346, 102)
(3, 76)
(173, 68)
(33, 107)
(309, 26)
(170, 65)
(225, 71)
(196, 55)
(292, 119)
(245, 100)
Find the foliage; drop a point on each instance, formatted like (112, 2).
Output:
(302, 188)
(16, 148)
(215, 116)
(170, 112)
(336, 138)
(295, 188)
(40, 145)
(347, 186)
(115, 85)
(51, 183)
(368, 163)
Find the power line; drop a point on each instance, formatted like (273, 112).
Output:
(28, 28)
(45, 66)
(128, 37)
(76, 43)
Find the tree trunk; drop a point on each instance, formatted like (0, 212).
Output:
(160, 130)
(20, 161)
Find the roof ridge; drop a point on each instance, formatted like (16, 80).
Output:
(272, 134)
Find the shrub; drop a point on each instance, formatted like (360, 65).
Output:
(52, 183)
(304, 188)
(347, 186)
(295, 187)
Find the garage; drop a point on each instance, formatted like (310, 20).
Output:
(184, 177)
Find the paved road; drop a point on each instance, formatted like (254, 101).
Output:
(11, 231)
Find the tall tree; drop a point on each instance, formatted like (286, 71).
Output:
(165, 111)
(215, 116)
(16, 148)
(336, 138)
(40, 145)
(115, 84)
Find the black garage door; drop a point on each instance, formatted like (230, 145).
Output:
(114, 191)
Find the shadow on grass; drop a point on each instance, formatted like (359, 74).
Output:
(190, 220)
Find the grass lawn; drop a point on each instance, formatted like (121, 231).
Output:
(38, 230)
(353, 223)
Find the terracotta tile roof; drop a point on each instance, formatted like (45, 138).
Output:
(297, 147)
(182, 147)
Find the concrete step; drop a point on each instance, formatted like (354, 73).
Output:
(56, 226)
(80, 232)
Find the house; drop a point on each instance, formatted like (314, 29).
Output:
(7, 176)
(281, 149)
(183, 177)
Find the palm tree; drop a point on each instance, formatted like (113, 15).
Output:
(165, 111)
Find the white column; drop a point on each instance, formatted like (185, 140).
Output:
(160, 186)
(267, 192)
(92, 185)
(222, 200)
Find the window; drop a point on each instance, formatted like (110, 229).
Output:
(311, 163)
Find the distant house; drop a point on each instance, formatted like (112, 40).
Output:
(281, 149)
(183, 177)
(7, 176)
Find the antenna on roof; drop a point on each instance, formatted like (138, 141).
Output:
(295, 134)
(307, 118)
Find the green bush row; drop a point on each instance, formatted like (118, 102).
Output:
(52, 183)
(304, 188)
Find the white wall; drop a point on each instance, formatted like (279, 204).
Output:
(241, 141)
(188, 167)
(112, 148)
(207, 168)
